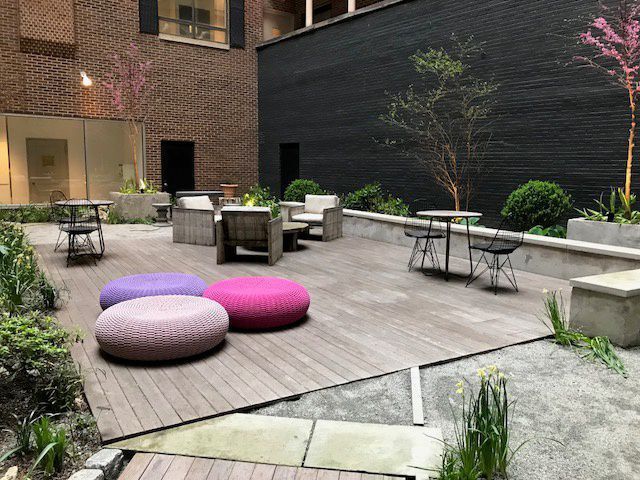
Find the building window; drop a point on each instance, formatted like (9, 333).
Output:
(203, 20)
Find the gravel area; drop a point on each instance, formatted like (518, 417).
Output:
(592, 411)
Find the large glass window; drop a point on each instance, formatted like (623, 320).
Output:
(78, 157)
(197, 19)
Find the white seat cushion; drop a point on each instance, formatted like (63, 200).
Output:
(308, 218)
(201, 202)
(318, 203)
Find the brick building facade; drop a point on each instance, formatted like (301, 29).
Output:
(202, 94)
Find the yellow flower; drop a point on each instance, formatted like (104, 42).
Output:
(482, 373)
(500, 375)
(460, 391)
(493, 368)
(460, 384)
(545, 291)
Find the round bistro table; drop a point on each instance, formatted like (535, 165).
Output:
(290, 232)
(448, 216)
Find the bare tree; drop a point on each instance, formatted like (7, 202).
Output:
(444, 122)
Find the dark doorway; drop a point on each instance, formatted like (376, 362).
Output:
(177, 166)
(289, 164)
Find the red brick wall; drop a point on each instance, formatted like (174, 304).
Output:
(202, 94)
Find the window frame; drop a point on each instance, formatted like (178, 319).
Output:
(194, 24)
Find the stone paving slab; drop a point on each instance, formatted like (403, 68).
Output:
(374, 448)
(248, 438)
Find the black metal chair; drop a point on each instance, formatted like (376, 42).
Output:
(424, 231)
(503, 244)
(85, 221)
(59, 214)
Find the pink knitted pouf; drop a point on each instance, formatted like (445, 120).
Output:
(163, 327)
(255, 303)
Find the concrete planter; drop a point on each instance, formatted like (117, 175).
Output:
(607, 233)
(137, 205)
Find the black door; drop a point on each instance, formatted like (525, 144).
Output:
(177, 166)
(289, 164)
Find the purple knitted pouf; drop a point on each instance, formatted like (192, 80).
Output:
(162, 327)
(150, 285)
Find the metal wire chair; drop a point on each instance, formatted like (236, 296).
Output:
(504, 243)
(59, 214)
(424, 231)
(85, 220)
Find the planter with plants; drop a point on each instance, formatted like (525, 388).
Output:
(132, 203)
(614, 221)
(46, 430)
(612, 46)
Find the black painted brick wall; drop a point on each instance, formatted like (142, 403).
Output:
(557, 121)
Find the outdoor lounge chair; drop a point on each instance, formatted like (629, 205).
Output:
(503, 244)
(250, 227)
(318, 210)
(194, 221)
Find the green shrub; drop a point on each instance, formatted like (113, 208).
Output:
(258, 196)
(371, 198)
(23, 286)
(537, 203)
(26, 214)
(364, 198)
(557, 231)
(34, 350)
(297, 189)
(129, 187)
(114, 219)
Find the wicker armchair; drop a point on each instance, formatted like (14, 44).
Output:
(248, 227)
(320, 210)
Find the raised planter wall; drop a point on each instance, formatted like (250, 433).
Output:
(555, 257)
(607, 233)
(137, 205)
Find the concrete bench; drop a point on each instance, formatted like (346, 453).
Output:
(608, 304)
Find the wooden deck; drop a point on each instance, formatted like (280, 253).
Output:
(148, 466)
(368, 317)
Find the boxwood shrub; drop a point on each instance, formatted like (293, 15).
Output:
(537, 203)
(297, 189)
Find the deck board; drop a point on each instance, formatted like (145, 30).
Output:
(146, 466)
(368, 317)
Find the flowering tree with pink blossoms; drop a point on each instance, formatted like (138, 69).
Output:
(614, 37)
(130, 91)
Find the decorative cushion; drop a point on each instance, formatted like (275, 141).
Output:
(150, 284)
(201, 202)
(318, 203)
(255, 303)
(307, 218)
(165, 327)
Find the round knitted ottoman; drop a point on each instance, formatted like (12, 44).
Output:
(150, 284)
(255, 303)
(161, 327)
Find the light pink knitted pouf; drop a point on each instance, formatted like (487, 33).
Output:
(255, 303)
(163, 327)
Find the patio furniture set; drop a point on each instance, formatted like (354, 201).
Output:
(197, 221)
(78, 220)
(427, 226)
(166, 316)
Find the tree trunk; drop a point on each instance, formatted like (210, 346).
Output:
(133, 136)
(632, 136)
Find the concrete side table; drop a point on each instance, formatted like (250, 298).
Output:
(608, 304)
(161, 214)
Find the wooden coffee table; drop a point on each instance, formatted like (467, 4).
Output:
(290, 231)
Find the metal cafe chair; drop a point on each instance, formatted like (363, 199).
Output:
(503, 244)
(424, 231)
(85, 221)
(59, 214)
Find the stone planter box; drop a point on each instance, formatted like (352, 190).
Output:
(137, 205)
(608, 304)
(607, 233)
